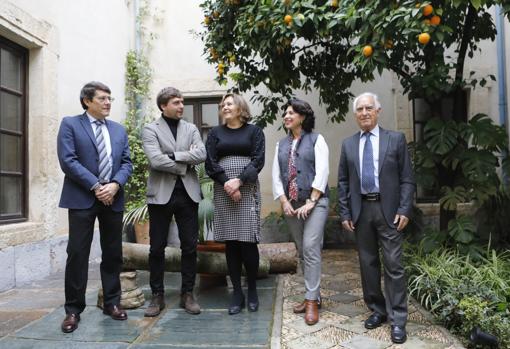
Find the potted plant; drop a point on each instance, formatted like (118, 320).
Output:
(206, 212)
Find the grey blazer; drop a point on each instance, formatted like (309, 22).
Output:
(158, 143)
(396, 179)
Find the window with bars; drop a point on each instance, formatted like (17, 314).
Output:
(13, 150)
(203, 112)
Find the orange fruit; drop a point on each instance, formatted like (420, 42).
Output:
(334, 3)
(435, 20)
(367, 51)
(389, 44)
(424, 38)
(207, 20)
(427, 10)
(215, 14)
(287, 19)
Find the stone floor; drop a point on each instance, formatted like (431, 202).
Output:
(30, 317)
(343, 312)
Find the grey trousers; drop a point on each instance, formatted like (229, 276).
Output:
(308, 235)
(373, 232)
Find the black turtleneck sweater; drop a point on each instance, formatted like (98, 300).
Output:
(173, 123)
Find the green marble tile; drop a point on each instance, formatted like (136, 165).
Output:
(94, 327)
(21, 343)
(211, 328)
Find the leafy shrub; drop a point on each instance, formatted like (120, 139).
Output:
(461, 292)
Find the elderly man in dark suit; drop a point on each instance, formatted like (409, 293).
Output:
(375, 193)
(94, 156)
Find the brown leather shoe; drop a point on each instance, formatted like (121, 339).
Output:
(189, 303)
(156, 305)
(70, 323)
(115, 312)
(300, 308)
(311, 312)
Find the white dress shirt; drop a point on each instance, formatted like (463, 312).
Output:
(320, 180)
(106, 136)
(374, 138)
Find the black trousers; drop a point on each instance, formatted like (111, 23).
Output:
(81, 232)
(185, 211)
(373, 232)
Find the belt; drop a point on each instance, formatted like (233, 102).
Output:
(371, 197)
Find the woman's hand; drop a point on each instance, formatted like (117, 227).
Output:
(232, 185)
(287, 209)
(304, 211)
(236, 196)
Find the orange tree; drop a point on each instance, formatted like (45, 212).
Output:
(289, 45)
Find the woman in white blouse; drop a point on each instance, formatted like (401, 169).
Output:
(300, 182)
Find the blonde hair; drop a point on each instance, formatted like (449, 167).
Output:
(244, 109)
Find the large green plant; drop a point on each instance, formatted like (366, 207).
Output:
(292, 45)
(138, 77)
(206, 205)
(461, 292)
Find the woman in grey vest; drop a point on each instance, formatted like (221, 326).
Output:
(300, 182)
(235, 156)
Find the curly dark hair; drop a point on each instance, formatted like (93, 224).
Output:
(301, 107)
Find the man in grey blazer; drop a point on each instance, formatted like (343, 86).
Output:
(375, 193)
(172, 146)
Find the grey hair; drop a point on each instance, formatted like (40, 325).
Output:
(367, 94)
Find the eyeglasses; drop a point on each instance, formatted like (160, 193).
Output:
(103, 99)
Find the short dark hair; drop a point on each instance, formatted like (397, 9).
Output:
(303, 108)
(89, 91)
(167, 94)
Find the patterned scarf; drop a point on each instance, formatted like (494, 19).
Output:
(292, 170)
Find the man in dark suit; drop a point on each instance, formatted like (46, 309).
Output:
(94, 155)
(173, 146)
(375, 193)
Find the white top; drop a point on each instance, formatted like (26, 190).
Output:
(320, 181)
(106, 136)
(374, 138)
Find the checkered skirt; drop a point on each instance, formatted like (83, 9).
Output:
(237, 220)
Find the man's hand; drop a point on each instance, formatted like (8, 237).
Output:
(401, 220)
(303, 211)
(232, 185)
(348, 225)
(105, 193)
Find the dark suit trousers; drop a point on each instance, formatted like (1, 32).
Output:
(373, 232)
(185, 211)
(81, 232)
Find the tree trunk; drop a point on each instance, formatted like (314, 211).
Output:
(274, 258)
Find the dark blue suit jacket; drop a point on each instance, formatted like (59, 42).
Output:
(396, 178)
(78, 157)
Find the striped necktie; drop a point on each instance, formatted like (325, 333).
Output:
(367, 170)
(104, 163)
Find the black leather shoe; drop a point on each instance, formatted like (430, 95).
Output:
(115, 312)
(235, 308)
(253, 306)
(398, 334)
(253, 300)
(70, 323)
(375, 320)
